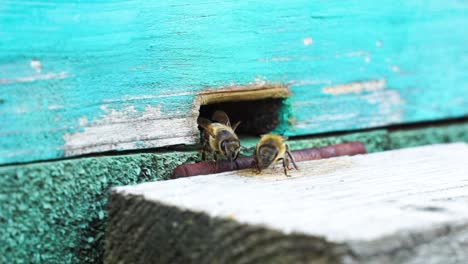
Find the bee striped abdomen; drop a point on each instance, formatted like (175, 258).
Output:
(274, 143)
(270, 149)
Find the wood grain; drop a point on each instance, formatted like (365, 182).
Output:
(404, 206)
(67, 68)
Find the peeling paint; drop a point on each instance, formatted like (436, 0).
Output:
(308, 82)
(355, 87)
(146, 96)
(389, 107)
(129, 129)
(114, 116)
(33, 78)
(36, 65)
(395, 68)
(307, 41)
(276, 59)
(358, 53)
(132, 128)
(317, 120)
(53, 107)
(83, 121)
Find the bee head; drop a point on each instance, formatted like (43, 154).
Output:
(265, 156)
(231, 149)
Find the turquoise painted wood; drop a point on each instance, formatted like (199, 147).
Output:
(84, 76)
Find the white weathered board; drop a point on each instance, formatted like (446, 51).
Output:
(403, 206)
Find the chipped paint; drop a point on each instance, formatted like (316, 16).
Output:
(276, 59)
(395, 68)
(36, 65)
(33, 78)
(308, 82)
(315, 121)
(307, 41)
(358, 53)
(83, 121)
(146, 97)
(389, 104)
(355, 87)
(53, 107)
(129, 128)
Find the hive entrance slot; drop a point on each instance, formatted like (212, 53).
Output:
(258, 108)
(257, 117)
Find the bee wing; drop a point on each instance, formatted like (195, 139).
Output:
(221, 117)
(206, 125)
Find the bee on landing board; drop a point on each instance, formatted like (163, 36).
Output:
(271, 149)
(219, 138)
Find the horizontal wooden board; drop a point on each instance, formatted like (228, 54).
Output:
(403, 206)
(81, 77)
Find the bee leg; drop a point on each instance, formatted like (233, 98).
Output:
(215, 158)
(202, 151)
(232, 165)
(286, 167)
(255, 166)
(291, 157)
(203, 154)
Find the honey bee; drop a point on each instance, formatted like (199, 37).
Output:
(219, 138)
(270, 149)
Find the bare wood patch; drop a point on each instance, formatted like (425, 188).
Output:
(36, 77)
(129, 128)
(355, 87)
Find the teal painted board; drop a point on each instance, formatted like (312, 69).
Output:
(81, 77)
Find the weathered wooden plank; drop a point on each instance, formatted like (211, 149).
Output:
(79, 77)
(404, 206)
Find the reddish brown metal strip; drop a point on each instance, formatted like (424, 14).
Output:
(209, 167)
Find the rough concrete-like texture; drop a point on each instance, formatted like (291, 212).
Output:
(52, 212)
(402, 206)
(404, 138)
(380, 139)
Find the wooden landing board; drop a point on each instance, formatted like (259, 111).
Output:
(404, 206)
(81, 77)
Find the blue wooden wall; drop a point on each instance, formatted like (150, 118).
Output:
(82, 77)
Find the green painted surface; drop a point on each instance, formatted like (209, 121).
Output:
(53, 212)
(103, 65)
